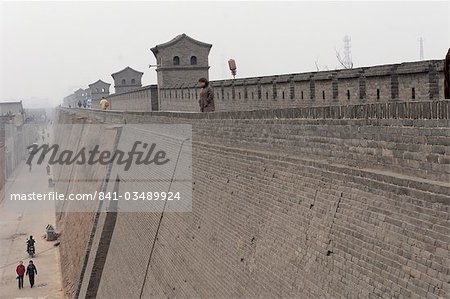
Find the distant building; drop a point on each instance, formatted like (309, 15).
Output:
(11, 108)
(79, 96)
(126, 80)
(69, 101)
(87, 94)
(99, 89)
(36, 114)
(181, 61)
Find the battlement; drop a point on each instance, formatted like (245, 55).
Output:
(413, 81)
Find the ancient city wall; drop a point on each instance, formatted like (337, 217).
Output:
(307, 202)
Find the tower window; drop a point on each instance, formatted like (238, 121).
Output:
(176, 60)
(124, 82)
(103, 90)
(302, 95)
(378, 93)
(348, 94)
(133, 81)
(323, 94)
(193, 60)
(413, 93)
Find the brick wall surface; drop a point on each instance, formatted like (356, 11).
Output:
(293, 207)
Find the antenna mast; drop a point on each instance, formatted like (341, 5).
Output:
(347, 52)
(421, 48)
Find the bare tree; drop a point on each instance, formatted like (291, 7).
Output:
(345, 61)
(316, 62)
(342, 62)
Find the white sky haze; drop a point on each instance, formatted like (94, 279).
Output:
(50, 49)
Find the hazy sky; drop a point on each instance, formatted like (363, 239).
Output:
(50, 49)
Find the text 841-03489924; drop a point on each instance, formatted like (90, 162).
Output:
(139, 196)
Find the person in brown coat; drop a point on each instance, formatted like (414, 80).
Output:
(206, 101)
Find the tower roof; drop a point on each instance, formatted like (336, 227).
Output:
(99, 81)
(125, 69)
(176, 40)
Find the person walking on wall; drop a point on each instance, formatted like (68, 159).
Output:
(206, 101)
(104, 104)
(20, 270)
(31, 271)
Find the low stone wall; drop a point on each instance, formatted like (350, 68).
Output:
(142, 99)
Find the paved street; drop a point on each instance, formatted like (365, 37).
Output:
(15, 227)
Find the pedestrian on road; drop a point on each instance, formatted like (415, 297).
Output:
(206, 101)
(20, 270)
(31, 271)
